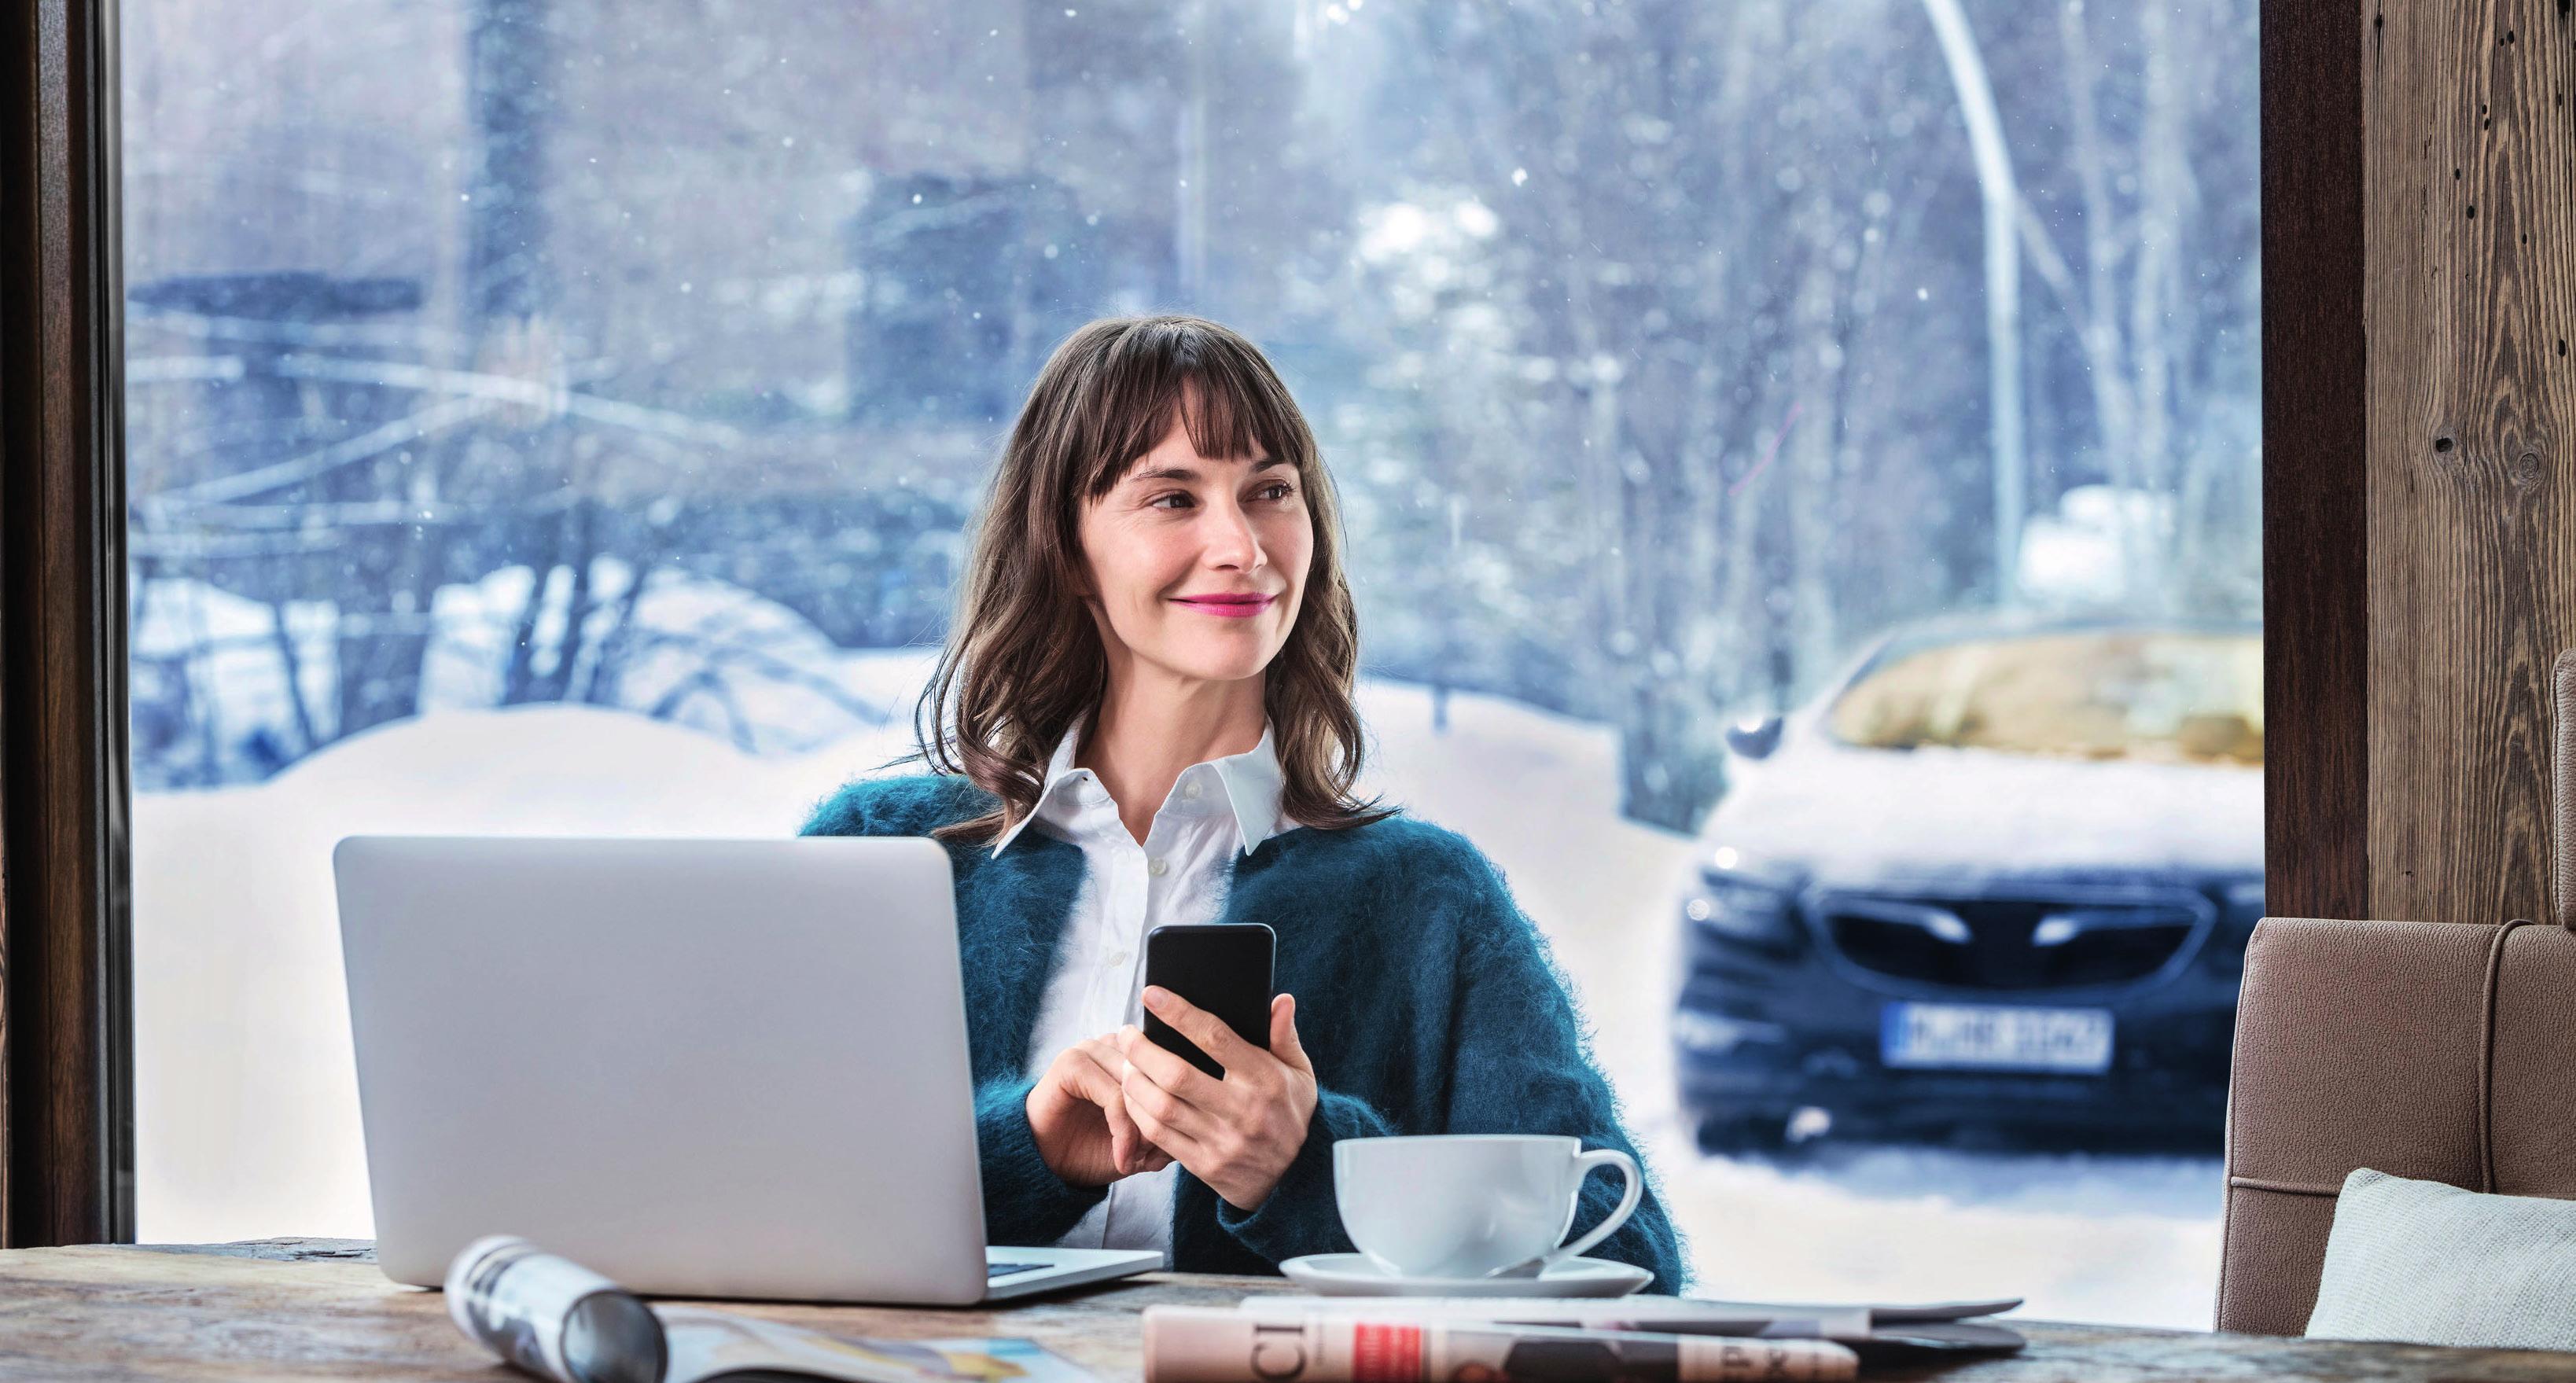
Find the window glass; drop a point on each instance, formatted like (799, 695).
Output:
(551, 416)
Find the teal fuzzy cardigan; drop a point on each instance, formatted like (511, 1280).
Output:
(1425, 999)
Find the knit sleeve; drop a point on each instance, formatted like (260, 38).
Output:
(1025, 1202)
(1300, 1216)
(1519, 1063)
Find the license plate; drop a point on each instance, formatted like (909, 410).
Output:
(1995, 1037)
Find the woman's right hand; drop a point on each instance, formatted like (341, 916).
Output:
(1080, 1118)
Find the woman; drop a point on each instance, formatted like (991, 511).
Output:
(1152, 666)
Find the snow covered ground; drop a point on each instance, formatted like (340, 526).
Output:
(247, 1107)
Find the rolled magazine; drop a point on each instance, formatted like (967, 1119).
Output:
(556, 1319)
(1195, 1344)
(552, 1317)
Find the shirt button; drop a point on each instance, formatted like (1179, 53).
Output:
(1121, 957)
(1189, 790)
(1156, 867)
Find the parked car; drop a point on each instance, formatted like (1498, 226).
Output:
(1997, 877)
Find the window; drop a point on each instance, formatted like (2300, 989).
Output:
(1796, 458)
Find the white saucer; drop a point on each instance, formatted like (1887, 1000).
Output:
(1353, 1275)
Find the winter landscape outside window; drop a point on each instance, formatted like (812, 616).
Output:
(1775, 437)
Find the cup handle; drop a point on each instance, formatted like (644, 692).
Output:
(1586, 1164)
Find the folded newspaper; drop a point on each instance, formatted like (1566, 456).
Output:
(1210, 1344)
(559, 1320)
(1301, 1339)
(1876, 1332)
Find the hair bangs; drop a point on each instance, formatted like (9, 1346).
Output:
(1163, 373)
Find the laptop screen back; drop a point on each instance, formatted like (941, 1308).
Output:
(701, 1067)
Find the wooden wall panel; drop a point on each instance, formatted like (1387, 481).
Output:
(2470, 240)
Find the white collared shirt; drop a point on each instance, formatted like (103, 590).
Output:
(1217, 810)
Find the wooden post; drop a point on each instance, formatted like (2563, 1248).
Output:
(2419, 284)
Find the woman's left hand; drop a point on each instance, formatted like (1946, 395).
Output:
(1237, 1134)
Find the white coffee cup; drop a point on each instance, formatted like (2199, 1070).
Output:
(1465, 1204)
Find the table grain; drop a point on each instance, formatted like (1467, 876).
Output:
(318, 1309)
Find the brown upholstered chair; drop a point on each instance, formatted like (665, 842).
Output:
(2434, 1050)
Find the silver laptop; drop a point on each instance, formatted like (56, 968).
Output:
(724, 1068)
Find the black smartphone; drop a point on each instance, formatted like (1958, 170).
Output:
(1223, 967)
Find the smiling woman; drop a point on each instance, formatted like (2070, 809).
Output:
(1159, 469)
(1153, 664)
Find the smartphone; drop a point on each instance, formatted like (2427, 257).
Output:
(1223, 967)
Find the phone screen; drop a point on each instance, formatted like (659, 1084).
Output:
(1223, 967)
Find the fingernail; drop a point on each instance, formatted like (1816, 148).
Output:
(1155, 994)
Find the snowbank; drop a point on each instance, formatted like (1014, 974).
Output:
(696, 652)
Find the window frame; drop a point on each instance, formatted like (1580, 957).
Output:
(2315, 378)
(66, 1048)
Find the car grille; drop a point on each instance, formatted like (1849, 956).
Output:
(2010, 943)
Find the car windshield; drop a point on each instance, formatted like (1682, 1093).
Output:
(2156, 695)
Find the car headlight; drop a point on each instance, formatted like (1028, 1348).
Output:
(1740, 906)
(1701, 1031)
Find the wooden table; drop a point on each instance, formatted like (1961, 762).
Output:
(306, 1308)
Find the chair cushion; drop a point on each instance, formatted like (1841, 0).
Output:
(2428, 1263)
(2358, 1044)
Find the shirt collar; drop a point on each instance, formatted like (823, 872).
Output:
(1252, 782)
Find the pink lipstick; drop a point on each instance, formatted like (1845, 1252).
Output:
(1228, 606)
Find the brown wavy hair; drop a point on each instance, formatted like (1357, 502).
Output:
(1023, 660)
